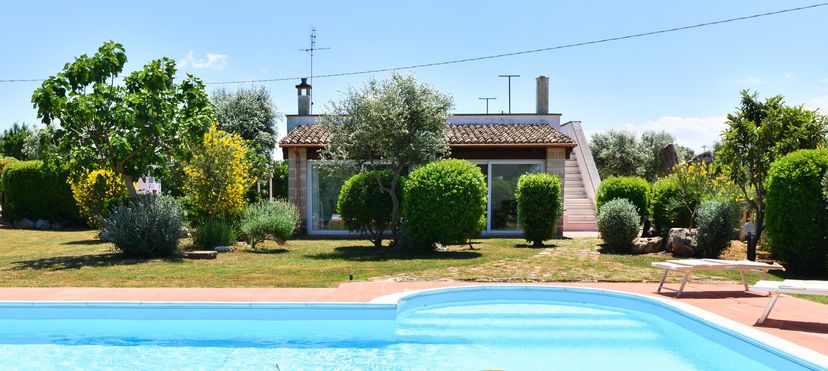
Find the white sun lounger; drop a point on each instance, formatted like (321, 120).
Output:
(689, 265)
(788, 287)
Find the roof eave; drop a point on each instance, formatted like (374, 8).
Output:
(521, 145)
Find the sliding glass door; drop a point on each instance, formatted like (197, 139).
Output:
(323, 193)
(501, 178)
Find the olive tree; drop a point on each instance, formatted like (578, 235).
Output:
(250, 113)
(147, 120)
(393, 123)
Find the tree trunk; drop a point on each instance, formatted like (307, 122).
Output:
(760, 226)
(395, 207)
(128, 182)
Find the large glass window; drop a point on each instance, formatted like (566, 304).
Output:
(503, 179)
(326, 181)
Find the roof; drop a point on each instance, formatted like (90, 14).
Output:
(482, 135)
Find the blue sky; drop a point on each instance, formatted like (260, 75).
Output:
(683, 82)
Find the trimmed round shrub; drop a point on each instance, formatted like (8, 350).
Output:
(618, 223)
(146, 226)
(365, 207)
(36, 191)
(796, 219)
(715, 221)
(95, 189)
(633, 188)
(443, 202)
(275, 220)
(666, 209)
(539, 206)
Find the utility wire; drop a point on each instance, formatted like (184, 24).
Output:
(494, 56)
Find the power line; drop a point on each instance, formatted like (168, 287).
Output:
(511, 54)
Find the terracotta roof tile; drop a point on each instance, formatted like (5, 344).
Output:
(458, 134)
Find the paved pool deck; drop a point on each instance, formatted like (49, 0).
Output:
(799, 321)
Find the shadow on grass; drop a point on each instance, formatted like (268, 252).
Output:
(267, 251)
(77, 262)
(530, 246)
(84, 242)
(371, 253)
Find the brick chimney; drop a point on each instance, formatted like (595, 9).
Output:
(542, 95)
(303, 90)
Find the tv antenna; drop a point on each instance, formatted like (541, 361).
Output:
(510, 89)
(487, 99)
(310, 51)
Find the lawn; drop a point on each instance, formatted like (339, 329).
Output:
(77, 258)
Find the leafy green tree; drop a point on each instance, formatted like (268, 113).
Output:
(651, 144)
(621, 153)
(39, 145)
(757, 134)
(148, 120)
(617, 153)
(393, 124)
(13, 141)
(249, 113)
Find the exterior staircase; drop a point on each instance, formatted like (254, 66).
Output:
(579, 213)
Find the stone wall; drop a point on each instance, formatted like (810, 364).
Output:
(297, 183)
(556, 165)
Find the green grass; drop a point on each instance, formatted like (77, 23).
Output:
(77, 258)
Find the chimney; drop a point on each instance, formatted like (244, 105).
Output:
(542, 98)
(303, 91)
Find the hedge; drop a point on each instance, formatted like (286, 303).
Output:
(36, 191)
(796, 219)
(666, 210)
(444, 202)
(634, 189)
(539, 206)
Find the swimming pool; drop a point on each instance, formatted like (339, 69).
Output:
(473, 328)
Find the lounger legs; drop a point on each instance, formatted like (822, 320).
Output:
(769, 307)
(663, 278)
(683, 282)
(744, 282)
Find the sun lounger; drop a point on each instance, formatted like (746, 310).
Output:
(687, 266)
(788, 287)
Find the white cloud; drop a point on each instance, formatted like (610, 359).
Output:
(214, 61)
(693, 132)
(824, 80)
(818, 102)
(751, 80)
(788, 76)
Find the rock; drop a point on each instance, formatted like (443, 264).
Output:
(104, 236)
(668, 158)
(224, 248)
(43, 224)
(57, 226)
(200, 254)
(682, 242)
(184, 232)
(647, 245)
(24, 223)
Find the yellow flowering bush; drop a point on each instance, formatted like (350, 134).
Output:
(93, 189)
(219, 174)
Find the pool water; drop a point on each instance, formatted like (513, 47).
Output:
(479, 334)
